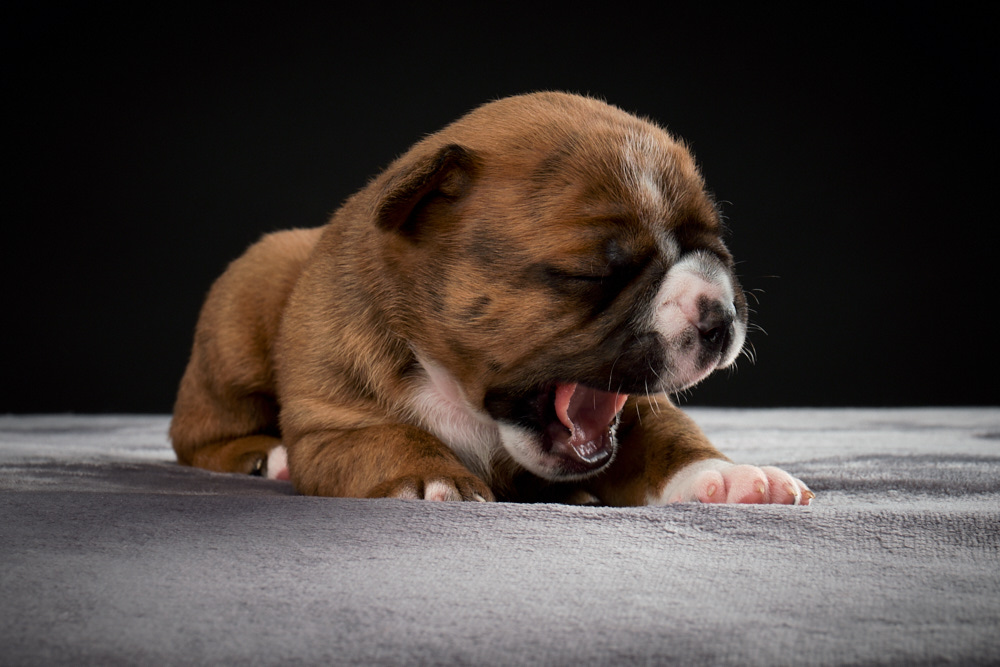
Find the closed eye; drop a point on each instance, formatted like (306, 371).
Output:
(556, 273)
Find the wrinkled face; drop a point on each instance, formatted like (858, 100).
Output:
(590, 274)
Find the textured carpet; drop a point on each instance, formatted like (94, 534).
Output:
(114, 554)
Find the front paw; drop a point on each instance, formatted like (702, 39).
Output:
(441, 488)
(717, 481)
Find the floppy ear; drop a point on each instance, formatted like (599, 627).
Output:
(447, 173)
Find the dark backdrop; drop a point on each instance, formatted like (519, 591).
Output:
(854, 152)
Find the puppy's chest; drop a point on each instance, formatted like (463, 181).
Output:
(438, 405)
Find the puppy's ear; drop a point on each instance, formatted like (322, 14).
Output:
(448, 173)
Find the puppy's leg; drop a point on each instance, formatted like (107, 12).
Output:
(391, 461)
(261, 455)
(665, 458)
(221, 428)
(226, 415)
(235, 436)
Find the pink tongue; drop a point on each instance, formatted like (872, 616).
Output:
(588, 414)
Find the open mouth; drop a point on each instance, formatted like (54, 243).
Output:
(563, 430)
(581, 426)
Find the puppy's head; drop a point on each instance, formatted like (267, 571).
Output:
(555, 255)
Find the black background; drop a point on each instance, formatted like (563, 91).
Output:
(854, 153)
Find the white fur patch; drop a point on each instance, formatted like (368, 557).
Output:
(440, 407)
(277, 463)
(639, 170)
(519, 444)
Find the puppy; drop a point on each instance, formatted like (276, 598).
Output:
(500, 314)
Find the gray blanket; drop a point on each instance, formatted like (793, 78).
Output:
(113, 554)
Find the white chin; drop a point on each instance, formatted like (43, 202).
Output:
(525, 447)
(686, 374)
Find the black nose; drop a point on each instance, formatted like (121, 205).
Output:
(715, 325)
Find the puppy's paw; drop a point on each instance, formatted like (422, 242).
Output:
(440, 488)
(716, 481)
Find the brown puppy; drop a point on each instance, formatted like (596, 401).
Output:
(499, 314)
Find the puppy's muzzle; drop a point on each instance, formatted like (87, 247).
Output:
(700, 319)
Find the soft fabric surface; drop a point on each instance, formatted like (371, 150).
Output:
(114, 554)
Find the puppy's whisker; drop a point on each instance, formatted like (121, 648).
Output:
(651, 400)
(659, 379)
(611, 373)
